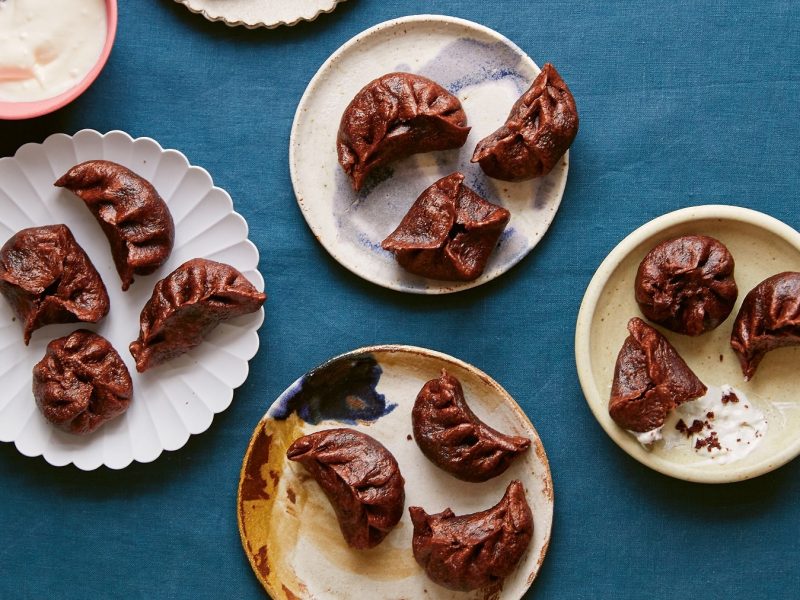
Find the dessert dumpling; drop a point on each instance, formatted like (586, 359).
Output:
(448, 233)
(48, 278)
(538, 131)
(686, 284)
(769, 318)
(81, 382)
(650, 380)
(133, 216)
(395, 116)
(361, 479)
(473, 551)
(186, 305)
(455, 439)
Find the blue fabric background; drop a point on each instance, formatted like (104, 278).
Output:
(681, 103)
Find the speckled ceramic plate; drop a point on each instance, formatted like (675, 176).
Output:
(170, 402)
(260, 13)
(487, 72)
(288, 528)
(761, 246)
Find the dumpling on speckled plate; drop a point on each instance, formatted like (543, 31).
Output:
(395, 116)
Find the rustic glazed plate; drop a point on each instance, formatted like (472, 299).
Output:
(260, 13)
(761, 246)
(288, 528)
(487, 72)
(170, 402)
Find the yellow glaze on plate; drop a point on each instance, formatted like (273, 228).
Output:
(289, 530)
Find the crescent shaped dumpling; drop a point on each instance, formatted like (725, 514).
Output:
(395, 116)
(133, 216)
(361, 479)
(650, 380)
(186, 305)
(476, 550)
(455, 439)
(81, 382)
(769, 318)
(538, 131)
(48, 278)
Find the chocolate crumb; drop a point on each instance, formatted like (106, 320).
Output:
(408, 437)
(720, 358)
(710, 414)
(729, 397)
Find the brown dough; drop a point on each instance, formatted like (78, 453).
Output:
(650, 380)
(769, 318)
(48, 278)
(133, 216)
(81, 382)
(476, 550)
(449, 232)
(361, 479)
(395, 116)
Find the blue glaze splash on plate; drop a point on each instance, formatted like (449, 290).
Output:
(488, 73)
(342, 390)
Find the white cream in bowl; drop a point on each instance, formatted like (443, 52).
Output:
(48, 46)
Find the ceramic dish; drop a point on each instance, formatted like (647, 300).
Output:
(288, 529)
(487, 72)
(170, 402)
(761, 246)
(28, 110)
(260, 13)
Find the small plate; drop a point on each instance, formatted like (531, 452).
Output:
(260, 13)
(488, 73)
(170, 402)
(289, 531)
(761, 246)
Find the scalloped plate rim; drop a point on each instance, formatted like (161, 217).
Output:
(260, 284)
(257, 24)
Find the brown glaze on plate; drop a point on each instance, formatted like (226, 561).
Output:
(289, 530)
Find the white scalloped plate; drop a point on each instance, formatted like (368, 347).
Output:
(288, 527)
(170, 402)
(487, 72)
(260, 13)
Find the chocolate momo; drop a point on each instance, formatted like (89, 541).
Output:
(768, 319)
(48, 278)
(395, 116)
(538, 131)
(477, 550)
(686, 284)
(361, 479)
(133, 216)
(448, 233)
(186, 305)
(455, 439)
(650, 380)
(81, 382)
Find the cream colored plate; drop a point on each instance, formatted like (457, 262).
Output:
(761, 246)
(288, 528)
(260, 13)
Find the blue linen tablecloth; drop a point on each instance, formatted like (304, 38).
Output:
(681, 103)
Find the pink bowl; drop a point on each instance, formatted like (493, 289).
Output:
(28, 110)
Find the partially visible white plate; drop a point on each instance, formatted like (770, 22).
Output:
(487, 72)
(260, 13)
(170, 402)
(288, 528)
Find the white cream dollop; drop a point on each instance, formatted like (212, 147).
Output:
(48, 46)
